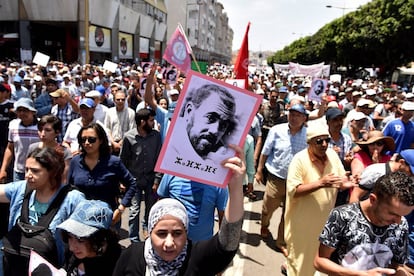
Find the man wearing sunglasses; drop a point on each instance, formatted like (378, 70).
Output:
(314, 177)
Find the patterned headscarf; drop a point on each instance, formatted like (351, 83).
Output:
(167, 206)
(155, 264)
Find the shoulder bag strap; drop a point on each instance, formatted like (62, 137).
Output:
(54, 207)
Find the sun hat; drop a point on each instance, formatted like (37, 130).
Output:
(89, 217)
(57, 93)
(26, 103)
(376, 135)
(316, 129)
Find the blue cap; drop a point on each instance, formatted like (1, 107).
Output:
(283, 89)
(88, 102)
(17, 79)
(89, 217)
(408, 156)
(100, 89)
(299, 108)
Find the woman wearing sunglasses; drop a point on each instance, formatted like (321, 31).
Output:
(375, 149)
(98, 173)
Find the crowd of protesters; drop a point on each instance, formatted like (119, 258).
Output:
(311, 155)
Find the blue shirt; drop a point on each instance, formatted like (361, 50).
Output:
(15, 193)
(102, 182)
(280, 147)
(200, 201)
(43, 104)
(161, 116)
(403, 134)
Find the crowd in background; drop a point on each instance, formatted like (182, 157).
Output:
(358, 123)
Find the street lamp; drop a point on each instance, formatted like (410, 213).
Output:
(341, 8)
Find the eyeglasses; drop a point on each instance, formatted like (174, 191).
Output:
(90, 140)
(320, 141)
(120, 100)
(378, 143)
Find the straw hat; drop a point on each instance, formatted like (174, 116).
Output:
(376, 135)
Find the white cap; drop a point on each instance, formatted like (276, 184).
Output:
(409, 106)
(357, 116)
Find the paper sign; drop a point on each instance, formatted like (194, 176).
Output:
(41, 59)
(210, 115)
(110, 66)
(236, 82)
(40, 266)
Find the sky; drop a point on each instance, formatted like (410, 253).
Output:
(275, 24)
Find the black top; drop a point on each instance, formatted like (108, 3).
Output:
(203, 258)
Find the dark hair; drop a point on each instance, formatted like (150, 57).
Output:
(143, 114)
(197, 96)
(163, 98)
(52, 160)
(104, 148)
(50, 119)
(99, 241)
(396, 184)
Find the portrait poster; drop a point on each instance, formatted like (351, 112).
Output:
(171, 75)
(99, 39)
(40, 266)
(210, 115)
(236, 82)
(125, 45)
(317, 90)
(146, 67)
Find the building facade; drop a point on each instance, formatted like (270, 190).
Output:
(118, 30)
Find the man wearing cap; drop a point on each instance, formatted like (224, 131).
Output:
(18, 90)
(70, 139)
(314, 177)
(43, 103)
(65, 108)
(22, 133)
(37, 87)
(356, 95)
(355, 126)
(68, 85)
(281, 144)
(402, 129)
(100, 109)
(340, 142)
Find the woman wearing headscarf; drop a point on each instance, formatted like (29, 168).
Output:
(167, 251)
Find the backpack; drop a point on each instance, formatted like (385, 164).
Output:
(24, 237)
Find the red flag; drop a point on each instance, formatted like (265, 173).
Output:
(242, 61)
(178, 50)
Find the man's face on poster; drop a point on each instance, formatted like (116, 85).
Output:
(318, 88)
(207, 125)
